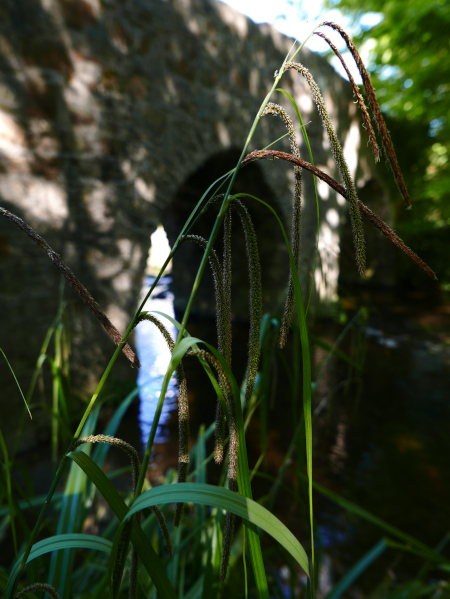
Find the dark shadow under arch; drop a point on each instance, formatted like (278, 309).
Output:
(274, 260)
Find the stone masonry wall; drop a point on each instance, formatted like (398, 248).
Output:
(107, 111)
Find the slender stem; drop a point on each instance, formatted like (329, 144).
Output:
(198, 278)
(202, 267)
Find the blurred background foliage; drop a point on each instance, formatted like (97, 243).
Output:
(409, 60)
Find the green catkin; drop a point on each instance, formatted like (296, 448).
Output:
(183, 411)
(358, 96)
(135, 467)
(224, 330)
(227, 393)
(289, 304)
(183, 436)
(116, 577)
(255, 296)
(233, 454)
(341, 163)
(216, 269)
(226, 278)
(220, 433)
(379, 120)
(39, 586)
(115, 442)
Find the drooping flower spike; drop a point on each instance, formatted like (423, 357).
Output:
(289, 303)
(379, 120)
(341, 163)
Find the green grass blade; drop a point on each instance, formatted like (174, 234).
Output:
(306, 360)
(58, 543)
(253, 513)
(72, 516)
(332, 350)
(147, 554)
(9, 492)
(357, 570)
(362, 513)
(196, 590)
(430, 556)
(28, 504)
(17, 383)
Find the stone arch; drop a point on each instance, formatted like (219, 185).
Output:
(273, 254)
(106, 111)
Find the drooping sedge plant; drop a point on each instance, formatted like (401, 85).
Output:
(379, 120)
(238, 475)
(183, 423)
(341, 163)
(359, 98)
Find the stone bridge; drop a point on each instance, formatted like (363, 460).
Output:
(114, 117)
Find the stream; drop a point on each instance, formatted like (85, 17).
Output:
(381, 436)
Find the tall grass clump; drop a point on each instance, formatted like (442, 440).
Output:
(150, 549)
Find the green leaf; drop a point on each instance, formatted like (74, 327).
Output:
(17, 383)
(306, 361)
(9, 492)
(147, 554)
(58, 543)
(357, 570)
(253, 513)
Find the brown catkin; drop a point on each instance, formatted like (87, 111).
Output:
(76, 285)
(289, 303)
(374, 219)
(358, 96)
(379, 120)
(255, 295)
(341, 163)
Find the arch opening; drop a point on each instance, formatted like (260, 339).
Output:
(273, 254)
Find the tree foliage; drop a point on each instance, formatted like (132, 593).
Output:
(409, 60)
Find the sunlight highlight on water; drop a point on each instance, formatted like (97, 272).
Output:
(154, 356)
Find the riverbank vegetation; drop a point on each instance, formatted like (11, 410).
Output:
(153, 542)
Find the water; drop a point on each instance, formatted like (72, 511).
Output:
(154, 355)
(380, 438)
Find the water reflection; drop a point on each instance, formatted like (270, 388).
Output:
(154, 356)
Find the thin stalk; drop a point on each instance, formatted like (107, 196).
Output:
(201, 269)
(374, 219)
(9, 492)
(122, 343)
(198, 278)
(204, 261)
